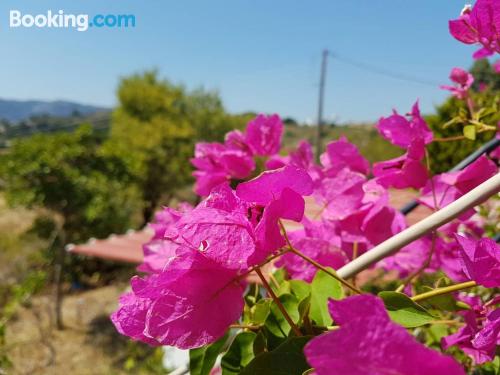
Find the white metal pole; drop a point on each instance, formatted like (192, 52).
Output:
(446, 214)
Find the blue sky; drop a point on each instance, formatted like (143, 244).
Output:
(260, 55)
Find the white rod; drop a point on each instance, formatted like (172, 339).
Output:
(443, 216)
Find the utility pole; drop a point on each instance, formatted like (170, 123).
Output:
(322, 78)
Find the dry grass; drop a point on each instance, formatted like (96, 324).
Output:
(89, 345)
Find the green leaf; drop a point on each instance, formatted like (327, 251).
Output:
(404, 311)
(304, 307)
(470, 132)
(276, 322)
(258, 313)
(435, 333)
(260, 343)
(323, 287)
(300, 289)
(239, 354)
(280, 276)
(286, 359)
(202, 360)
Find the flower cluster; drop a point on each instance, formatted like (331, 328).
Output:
(234, 159)
(197, 268)
(192, 296)
(481, 334)
(463, 81)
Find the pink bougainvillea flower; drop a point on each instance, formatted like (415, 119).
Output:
(404, 171)
(235, 140)
(479, 25)
(302, 157)
(402, 132)
(451, 185)
(411, 257)
(480, 260)
(217, 163)
(157, 253)
(341, 195)
(268, 186)
(276, 162)
(343, 154)
(130, 318)
(387, 348)
(463, 80)
(263, 134)
(368, 226)
(225, 237)
(206, 181)
(481, 334)
(321, 250)
(166, 218)
(188, 305)
(274, 195)
(447, 259)
(241, 229)
(382, 222)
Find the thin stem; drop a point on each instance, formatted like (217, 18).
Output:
(450, 139)
(445, 290)
(433, 187)
(316, 264)
(354, 256)
(448, 322)
(278, 302)
(470, 106)
(246, 326)
(274, 281)
(270, 259)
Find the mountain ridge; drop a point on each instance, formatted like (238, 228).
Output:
(14, 110)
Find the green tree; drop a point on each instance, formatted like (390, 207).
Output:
(66, 176)
(151, 134)
(154, 129)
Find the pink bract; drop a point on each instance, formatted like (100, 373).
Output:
(320, 250)
(451, 185)
(263, 134)
(368, 342)
(481, 25)
(402, 132)
(481, 334)
(343, 154)
(190, 304)
(269, 185)
(463, 80)
(480, 260)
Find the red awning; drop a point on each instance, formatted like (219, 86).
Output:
(123, 247)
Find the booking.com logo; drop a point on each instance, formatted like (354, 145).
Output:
(79, 22)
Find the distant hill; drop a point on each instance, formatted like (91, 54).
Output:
(19, 110)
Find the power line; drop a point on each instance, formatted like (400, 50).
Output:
(384, 72)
